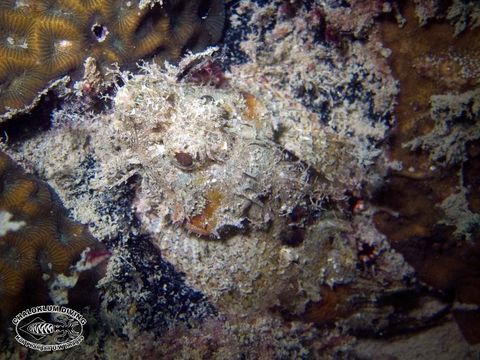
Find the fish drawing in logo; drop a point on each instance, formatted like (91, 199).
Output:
(65, 330)
(40, 328)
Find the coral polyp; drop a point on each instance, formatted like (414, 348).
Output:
(60, 45)
(20, 80)
(17, 34)
(55, 38)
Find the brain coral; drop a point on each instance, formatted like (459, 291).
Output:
(46, 244)
(42, 40)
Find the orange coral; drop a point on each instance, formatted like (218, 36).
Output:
(46, 244)
(42, 40)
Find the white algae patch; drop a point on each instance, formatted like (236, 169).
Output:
(456, 123)
(458, 214)
(7, 224)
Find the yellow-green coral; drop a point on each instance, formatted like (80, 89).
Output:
(42, 40)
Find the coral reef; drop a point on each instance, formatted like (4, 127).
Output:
(458, 214)
(44, 40)
(425, 10)
(236, 184)
(464, 14)
(433, 215)
(450, 346)
(357, 17)
(455, 124)
(44, 245)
